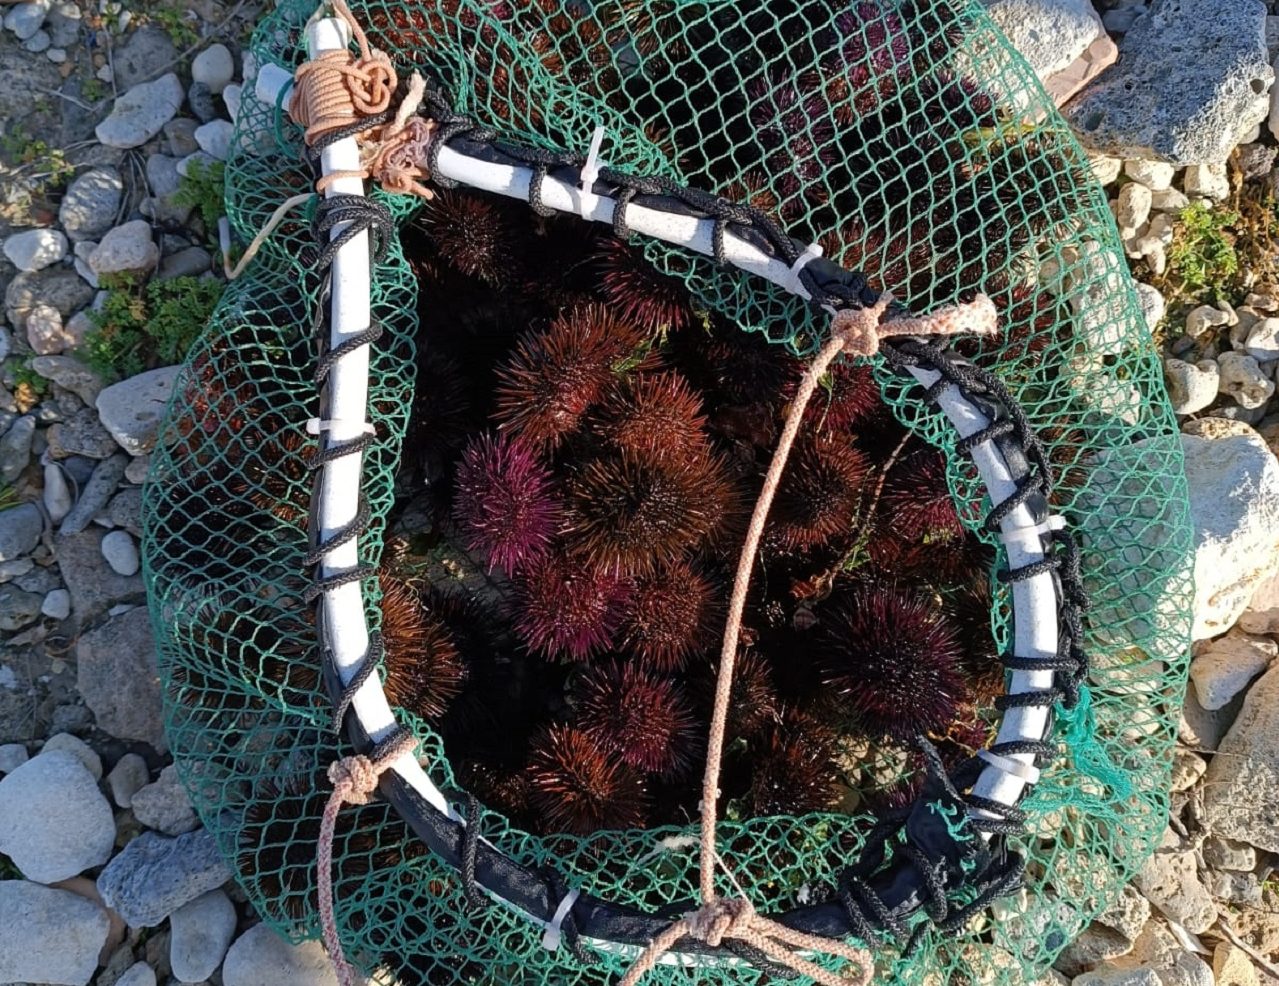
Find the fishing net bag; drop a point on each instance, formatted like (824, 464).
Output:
(743, 182)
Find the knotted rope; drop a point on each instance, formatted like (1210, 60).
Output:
(856, 331)
(354, 781)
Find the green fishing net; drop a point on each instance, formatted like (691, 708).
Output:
(911, 143)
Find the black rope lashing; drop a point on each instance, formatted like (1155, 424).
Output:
(367, 669)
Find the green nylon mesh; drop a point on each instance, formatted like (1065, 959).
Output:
(929, 197)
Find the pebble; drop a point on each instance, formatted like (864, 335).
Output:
(162, 175)
(69, 373)
(1208, 180)
(260, 957)
(91, 202)
(20, 530)
(1227, 665)
(49, 935)
(202, 931)
(1262, 341)
(54, 822)
(1187, 768)
(56, 55)
(1205, 317)
(143, 54)
(18, 608)
(139, 114)
(1234, 505)
(164, 806)
(38, 42)
(1170, 880)
(1244, 380)
(1242, 783)
(155, 875)
(214, 67)
(1155, 175)
(1231, 966)
(1049, 34)
(12, 756)
(138, 974)
(133, 409)
(200, 99)
(24, 19)
(127, 249)
(56, 605)
(15, 448)
(127, 778)
(179, 136)
(1192, 387)
(115, 674)
(121, 553)
(1227, 854)
(57, 492)
(231, 97)
(79, 749)
(1104, 168)
(199, 157)
(137, 469)
(1118, 977)
(81, 434)
(1255, 160)
(1169, 200)
(190, 262)
(45, 332)
(1153, 305)
(1133, 208)
(214, 138)
(35, 249)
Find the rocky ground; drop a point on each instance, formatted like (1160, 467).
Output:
(117, 119)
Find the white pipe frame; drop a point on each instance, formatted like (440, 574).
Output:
(1034, 600)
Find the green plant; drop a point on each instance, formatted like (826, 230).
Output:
(1203, 257)
(42, 166)
(8, 497)
(202, 188)
(141, 327)
(173, 19)
(93, 90)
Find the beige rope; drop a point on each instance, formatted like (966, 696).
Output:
(277, 217)
(857, 331)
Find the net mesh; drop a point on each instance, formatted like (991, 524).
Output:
(910, 142)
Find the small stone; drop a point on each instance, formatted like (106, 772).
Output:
(1208, 180)
(1154, 175)
(138, 974)
(1227, 854)
(259, 957)
(200, 99)
(12, 756)
(94, 495)
(204, 160)
(156, 875)
(24, 19)
(1226, 666)
(144, 54)
(1118, 977)
(121, 553)
(139, 114)
(20, 529)
(12, 570)
(48, 935)
(1128, 914)
(1232, 967)
(127, 778)
(35, 249)
(1191, 388)
(214, 138)
(95, 588)
(1241, 787)
(162, 175)
(79, 749)
(54, 822)
(126, 511)
(1134, 206)
(56, 605)
(1243, 379)
(1092, 946)
(1262, 342)
(1105, 169)
(164, 806)
(1255, 160)
(1170, 880)
(56, 55)
(81, 434)
(137, 469)
(191, 262)
(38, 42)
(45, 332)
(1187, 768)
(1169, 200)
(1152, 303)
(1049, 34)
(57, 492)
(215, 68)
(231, 97)
(91, 202)
(116, 675)
(1203, 318)
(126, 250)
(179, 135)
(15, 448)
(202, 931)
(133, 409)
(17, 608)
(1188, 970)
(1241, 889)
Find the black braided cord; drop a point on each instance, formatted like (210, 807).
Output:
(990, 871)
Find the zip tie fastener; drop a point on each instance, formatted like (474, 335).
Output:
(587, 198)
(551, 939)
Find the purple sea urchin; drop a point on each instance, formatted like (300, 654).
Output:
(579, 788)
(471, 234)
(423, 670)
(568, 610)
(916, 501)
(655, 416)
(819, 493)
(642, 717)
(893, 660)
(793, 765)
(652, 300)
(504, 502)
(671, 616)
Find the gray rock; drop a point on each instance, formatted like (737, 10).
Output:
(1187, 768)
(190, 262)
(80, 434)
(55, 286)
(199, 157)
(24, 19)
(35, 249)
(1170, 880)
(63, 23)
(78, 748)
(133, 409)
(146, 52)
(20, 529)
(155, 875)
(15, 448)
(164, 806)
(1133, 207)
(1153, 305)
(126, 511)
(127, 778)
(12, 756)
(1226, 665)
(17, 608)
(139, 114)
(1241, 788)
(121, 553)
(138, 974)
(37, 43)
(1208, 180)
(126, 250)
(70, 374)
(1128, 914)
(259, 957)
(137, 469)
(1227, 854)
(1155, 175)
(117, 677)
(1094, 945)
(162, 175)
(214, 67)
(56, 605)
(1187, 969)
(49, 935)
(1262, 342)
(214, 138)
(1243, 379)
(54, 822)
(231, 97)
(1256, 160)
(91, 202)
(179, 137)
(1192, 79)
(202, 932)
(202, 102)
(95, 589)
(46, 333)
(1234, 504)
(1240, 889)
(95, 495)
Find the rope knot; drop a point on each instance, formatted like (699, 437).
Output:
(723, 917)
(354, 779)
(862, 329)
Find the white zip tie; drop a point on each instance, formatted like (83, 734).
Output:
(590, 171)
(316, 426)
(1027, 536)
(551, 940)
(796, 286)
(1023, 771)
